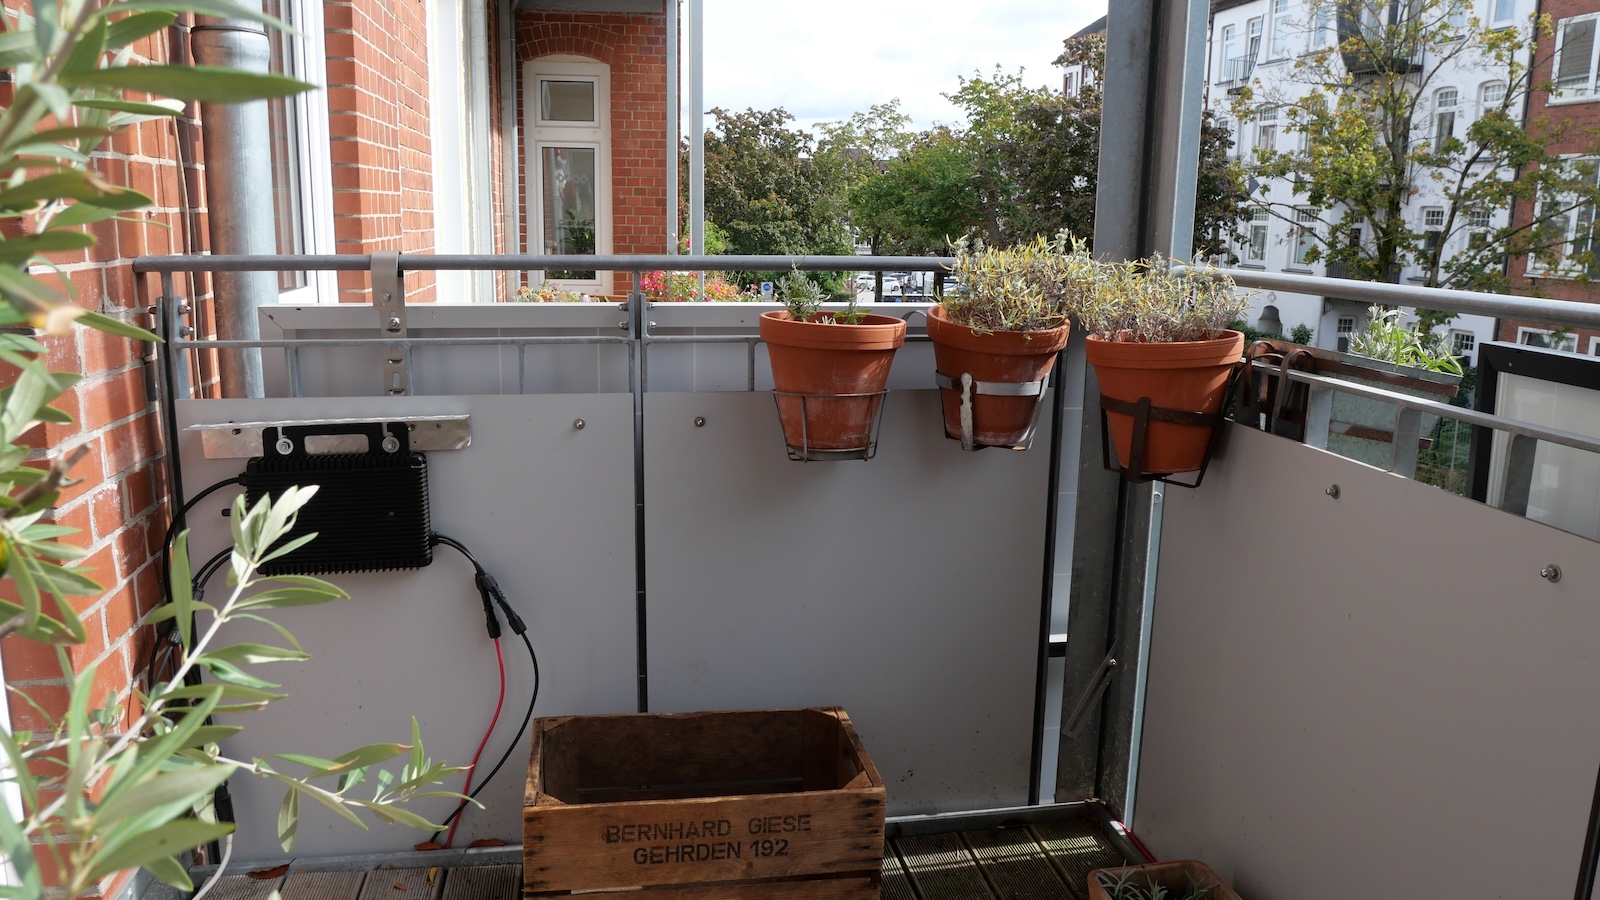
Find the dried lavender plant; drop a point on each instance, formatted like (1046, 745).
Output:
(1026, 288)
(1148, 301)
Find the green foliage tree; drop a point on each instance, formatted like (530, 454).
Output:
(104, 790)
(1371, 138)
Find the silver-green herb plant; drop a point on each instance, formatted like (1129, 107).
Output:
(1031, 287)
(1122, 885)
(1151, 301)
(1386, 340)
(801, 296)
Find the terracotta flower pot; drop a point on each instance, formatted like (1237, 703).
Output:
(1010, 357)
(829, 380)
(1186, 376)
(1173, 876)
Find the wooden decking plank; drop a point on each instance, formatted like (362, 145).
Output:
(483, 883)
(402, 884)
(243, 887)
(1015, 864)
(896, 886)
(322, 885)
(1075, 849)
(941, 868)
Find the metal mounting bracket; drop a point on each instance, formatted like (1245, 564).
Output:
(242, 440)
(389, 300)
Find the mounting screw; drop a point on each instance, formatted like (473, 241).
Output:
(394, 323)
(186, 331)
(578, 424)
(284, 446)
(699, 421)
(623, 324)
(1332, 491)
(1551, 573)
(391, 444)
(184, 309)
(238, 431)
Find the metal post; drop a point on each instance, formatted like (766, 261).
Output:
(674, 119)
(1149, 157)
(508, 126)
(238, 193)
(697, 122)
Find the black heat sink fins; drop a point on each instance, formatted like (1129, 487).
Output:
(370, 512)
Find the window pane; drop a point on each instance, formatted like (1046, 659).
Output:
(568, 197)
(283, 129)
(1577, 45)
(1504, 9)
(567, 101)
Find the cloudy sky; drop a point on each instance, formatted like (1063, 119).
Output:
(825, 59)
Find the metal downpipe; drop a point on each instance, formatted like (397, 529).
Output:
(238, 153)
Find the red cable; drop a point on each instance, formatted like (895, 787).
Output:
(500, 657)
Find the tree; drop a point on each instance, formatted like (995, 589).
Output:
(1378, 128)
(767, 191)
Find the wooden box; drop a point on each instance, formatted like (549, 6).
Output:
(761, 803)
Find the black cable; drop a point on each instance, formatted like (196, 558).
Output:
(489, 591)
(166, 632)
(177, 523)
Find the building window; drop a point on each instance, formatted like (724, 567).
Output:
(1259, 222)
(1462, 343)
(1432, 231)
(458, 98)
(1491, 95)
(568, 106)
(302, 183)
(1345, 329)
(1280, 29)
(1572, 228)
(1068, 84)
(1266, 131)
(1322, 33)
(1575, 63)
(1502, 11)
(1444, 117)
(1228, 49)
(1594, 346)
(1565, 341)
(1252, 40)
(1455, 18)
(1305, 235)
(1479, 227)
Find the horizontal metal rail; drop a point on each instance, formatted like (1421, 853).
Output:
(430, 262)
(1536, 309)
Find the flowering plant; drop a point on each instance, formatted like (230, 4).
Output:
(684, 287)
(549, 292)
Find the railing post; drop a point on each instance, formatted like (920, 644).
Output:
(1407, 437)
(1319, 416)
(1518, 482)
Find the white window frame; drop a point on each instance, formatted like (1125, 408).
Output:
(1446, 101)
(1497, 7)
(1484, 90)
(1252, 40)
(1266, 130)
(1561, 268)
(542, 134)
(1305, 230)
(1278, 45)
(458, 104)
(1259, 219)
(1322, 30)
(1226, 43)
(306, 58)
(1569, 344)
(1586, 93)
(1594, 346)
(1457, 338)
(1345, 326)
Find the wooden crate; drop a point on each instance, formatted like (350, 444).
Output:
(761, 803)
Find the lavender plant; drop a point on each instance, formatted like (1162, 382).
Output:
(1150, 301)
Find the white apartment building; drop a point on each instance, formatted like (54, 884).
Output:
(1257, 43)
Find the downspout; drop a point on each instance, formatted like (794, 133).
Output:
(697, 138)
(238, 152)
(508, 129)
(674, 13)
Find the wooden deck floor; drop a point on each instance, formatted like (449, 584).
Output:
(1041, 861)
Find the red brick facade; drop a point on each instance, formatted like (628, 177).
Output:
(1577, 123)
(381, 157)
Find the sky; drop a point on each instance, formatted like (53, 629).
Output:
(825, 59)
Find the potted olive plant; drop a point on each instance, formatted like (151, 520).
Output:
(1160, 346)
(830, 371)
(996, 336)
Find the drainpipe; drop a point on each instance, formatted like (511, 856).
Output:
(509, 156)
(238, 193)
(674, 116)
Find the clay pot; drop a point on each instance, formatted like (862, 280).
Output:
(1001, 356)
(823, 359)
(1174, 876)
(1188, 376)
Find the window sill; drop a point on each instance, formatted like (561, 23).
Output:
(1570, 101)
(1299, 272)
(1260, 267)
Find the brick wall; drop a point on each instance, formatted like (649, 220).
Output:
(1577, 124)
(635, 47)
(378, 127)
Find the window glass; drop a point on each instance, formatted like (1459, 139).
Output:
(1504, 10)
(1304, 235)
(569, 193)
(1280, 28)
(1444, 116)
(566, 101)
(1492, 94)
(1574, 64)
(286, 139)
(1259, 220)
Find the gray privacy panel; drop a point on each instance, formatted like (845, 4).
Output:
(547, 508)
(905, 589)
(1378, 689)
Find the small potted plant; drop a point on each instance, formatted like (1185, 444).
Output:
(830, 371)
(1160, 346)
(996, 335)
(1185, 879)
